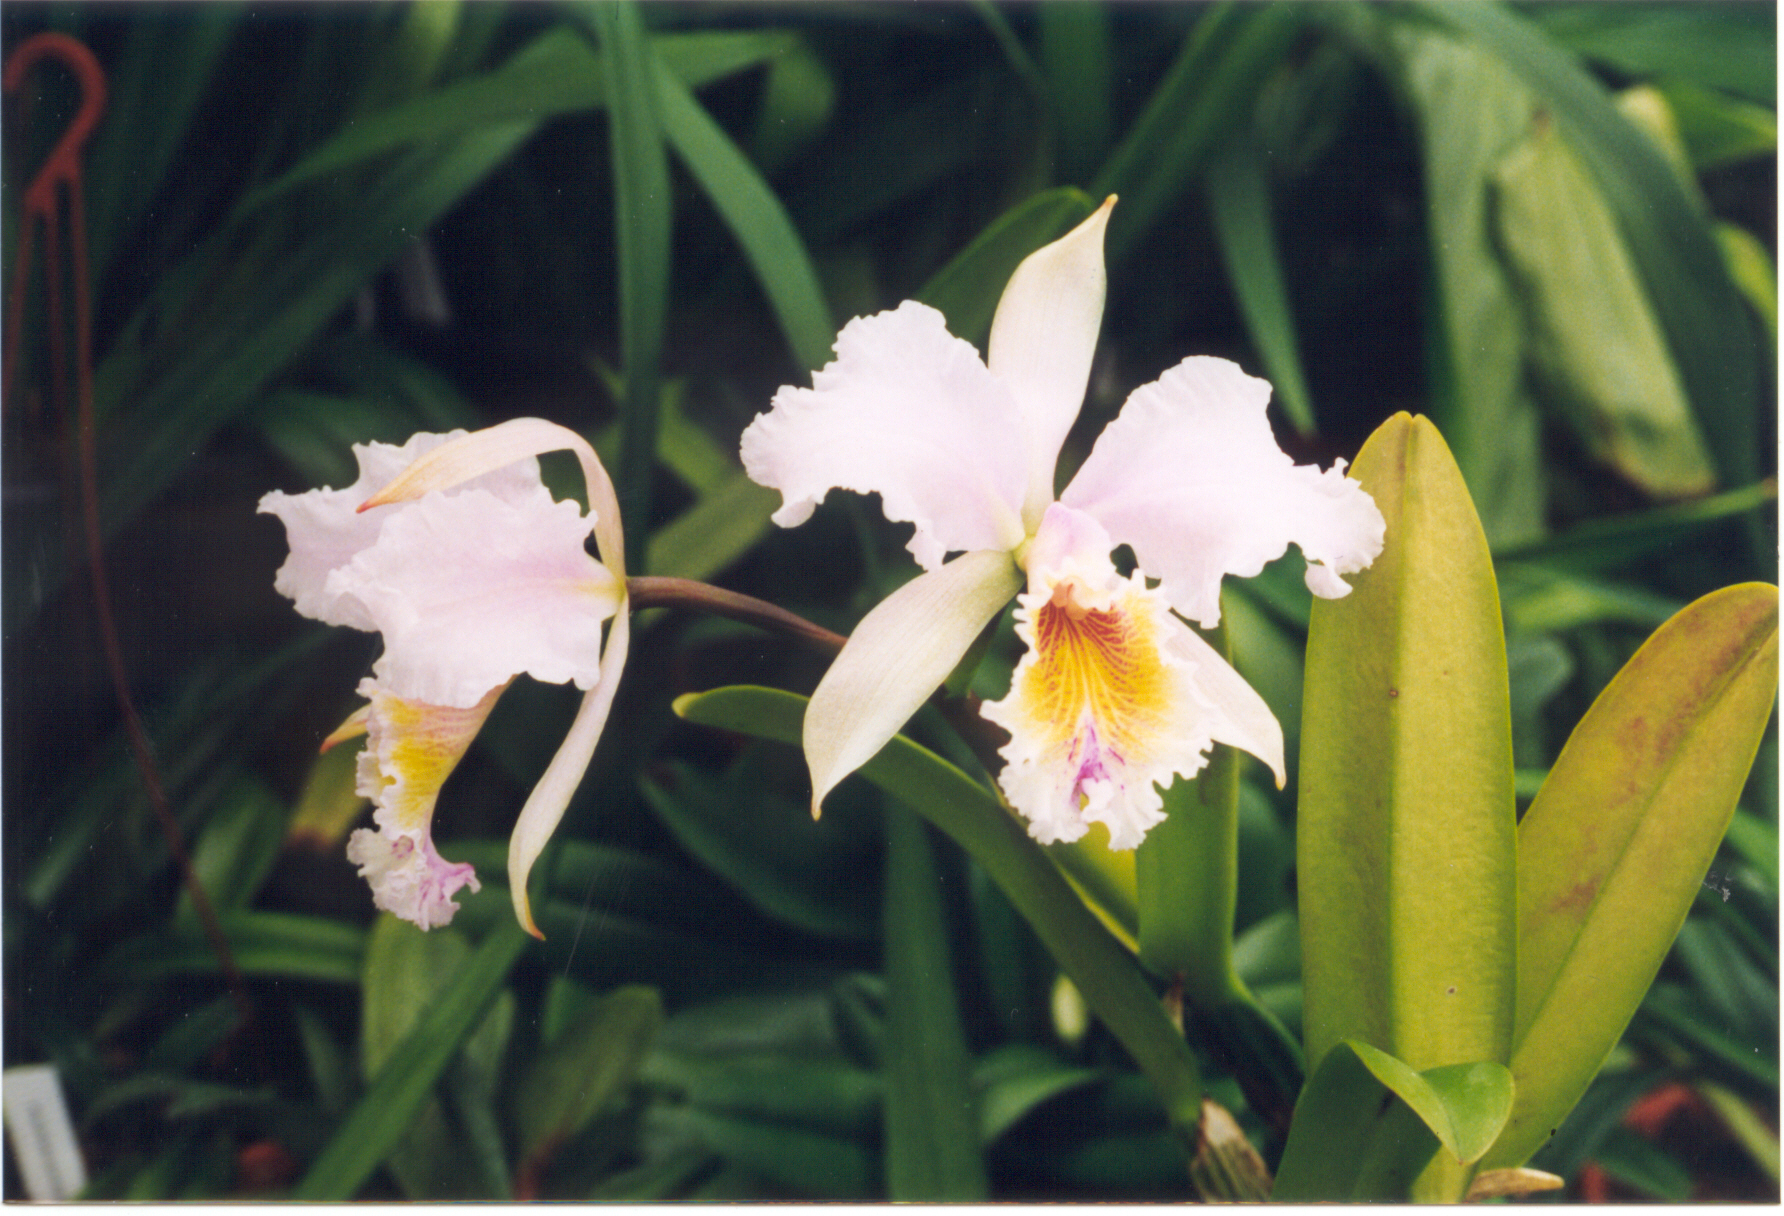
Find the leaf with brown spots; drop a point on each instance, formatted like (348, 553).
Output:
(1618, 840)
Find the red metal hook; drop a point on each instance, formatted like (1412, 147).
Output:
(39, 206)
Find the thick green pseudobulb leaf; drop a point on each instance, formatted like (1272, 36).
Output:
(967, 289)
(1367, 1124)
(1666, 230)
(967, 811)
(1406, 838)
(1593, 341)
(405, 973)
(583, 1069)
(1616, 844)
(932, 1126)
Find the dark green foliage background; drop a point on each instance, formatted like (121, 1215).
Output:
(319, 225)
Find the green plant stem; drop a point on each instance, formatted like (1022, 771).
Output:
(1186, 874)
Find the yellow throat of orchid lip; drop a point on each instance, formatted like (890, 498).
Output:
(419, 747)
(1098, 669)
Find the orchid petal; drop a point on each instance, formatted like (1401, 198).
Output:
(897, 656)
(481, 452)
(1190, 475)
(907, 410)
(1043, 339)
(411, 748)
(551, 796)
(1238, 716)
(326, 532)
(470, 590)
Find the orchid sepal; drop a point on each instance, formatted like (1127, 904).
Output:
(1042, 343)
(899, 654)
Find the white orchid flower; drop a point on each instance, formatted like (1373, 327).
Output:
(1115, 695)
(452, 548)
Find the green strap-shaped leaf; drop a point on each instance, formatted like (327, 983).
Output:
(961, 807)
(407, 1078)
(1017, 1077)
(734, 836)
(1214, 81)
(1368, 1123)
(557, 73)
(405, 972)
(932, 1126)
(1239, 200)
(755, 217)
(1406, 832)
(1076, 56)
(643, 214)
(1616, 844)
(584, 1069)
(262, 943)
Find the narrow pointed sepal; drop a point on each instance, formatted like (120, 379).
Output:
(897, 656)
(551, 796)
(1043, 340)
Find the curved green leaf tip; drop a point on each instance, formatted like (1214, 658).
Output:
(1351, 1140)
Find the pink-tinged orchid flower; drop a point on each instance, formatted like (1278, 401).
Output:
(452, 548)
(1115, 696)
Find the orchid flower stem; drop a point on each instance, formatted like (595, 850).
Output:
(654, 591)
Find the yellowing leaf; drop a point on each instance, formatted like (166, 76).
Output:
(1616, 844)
